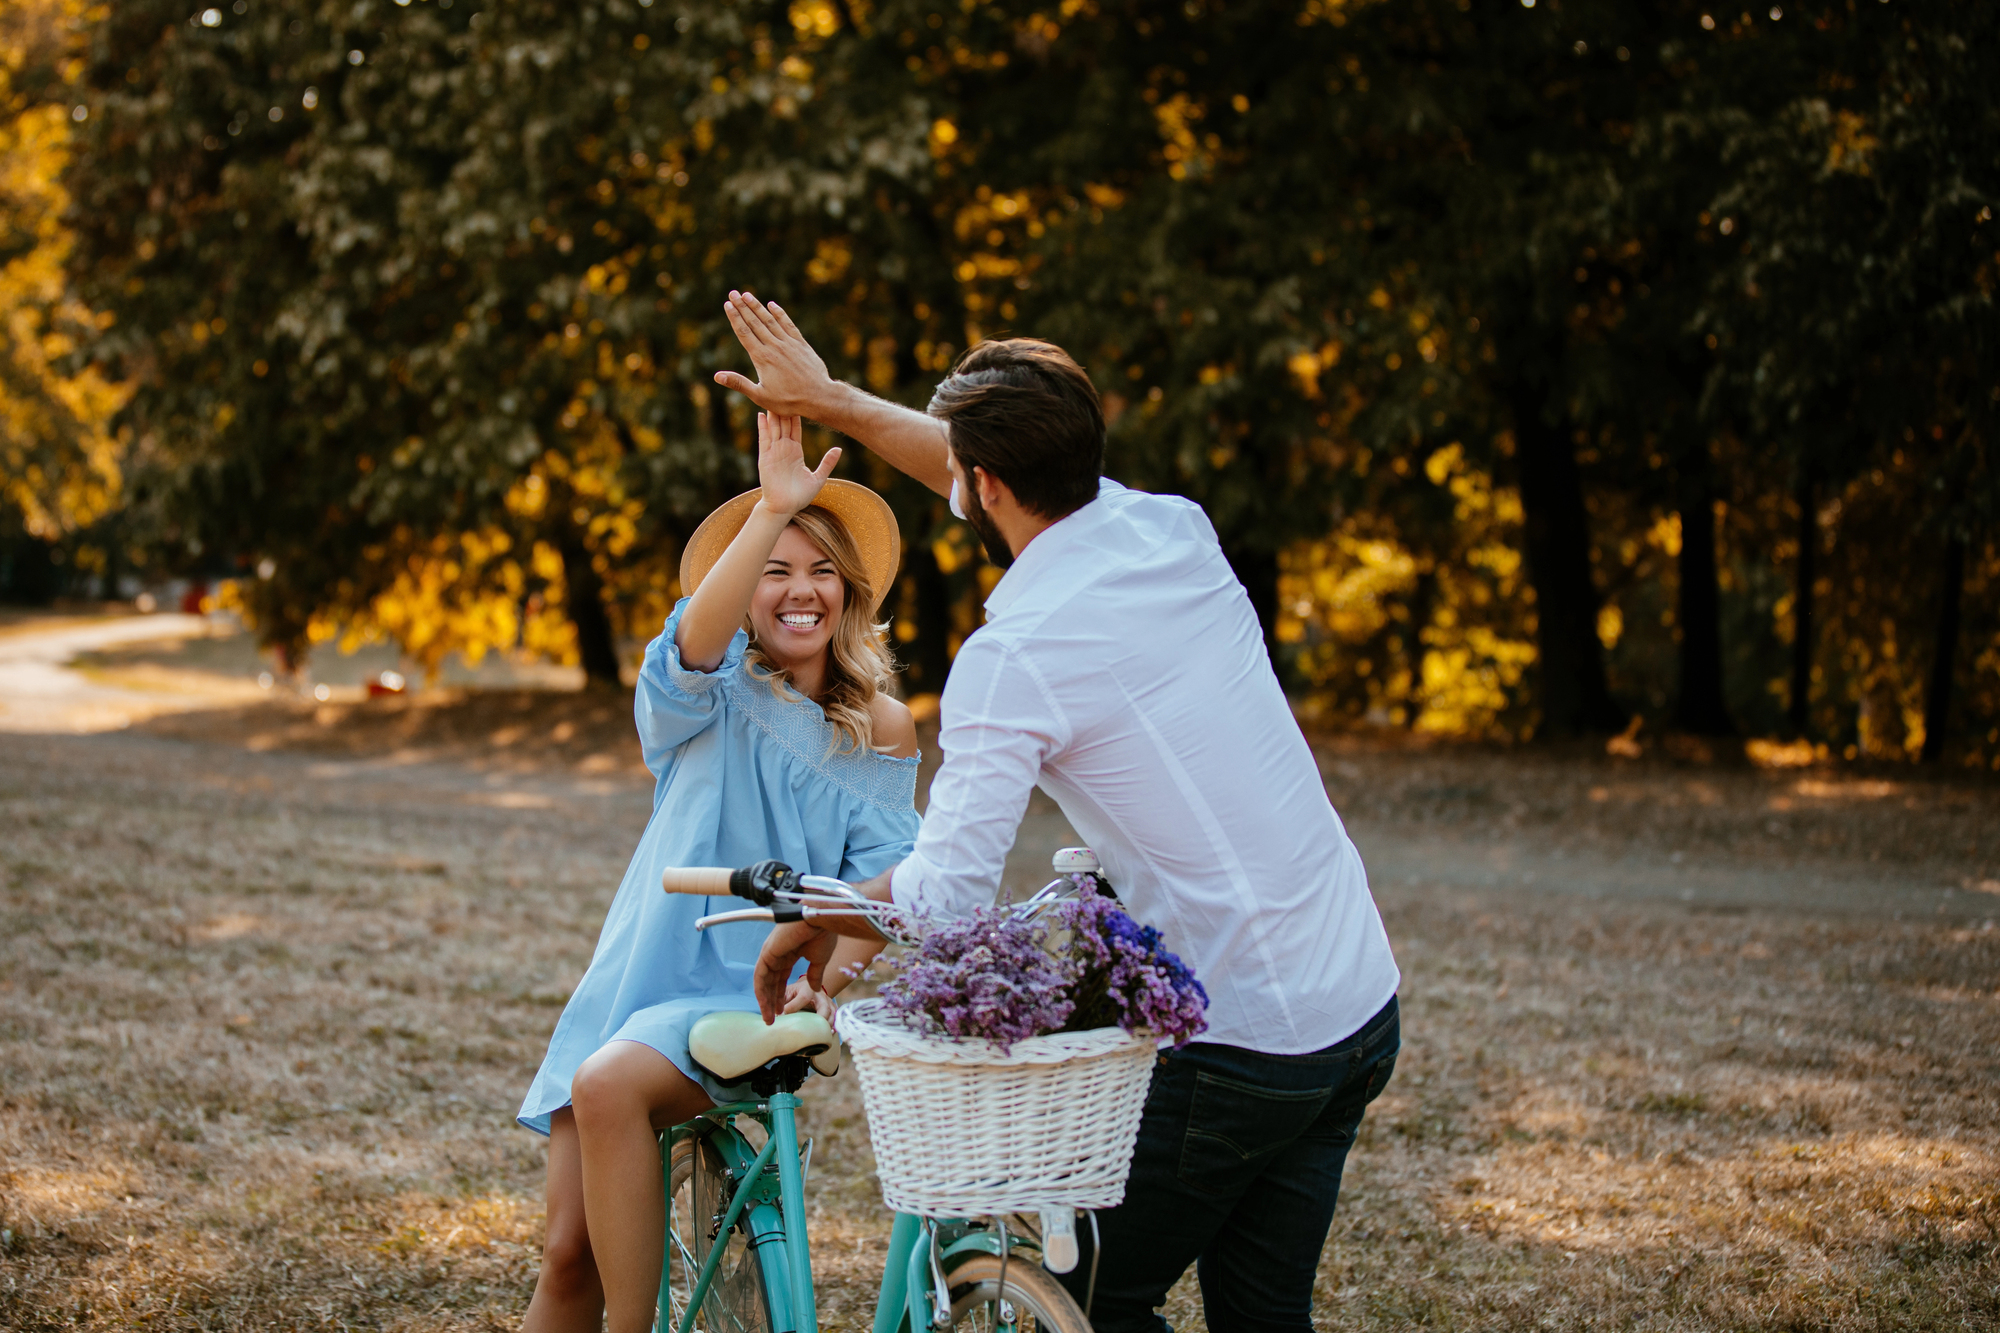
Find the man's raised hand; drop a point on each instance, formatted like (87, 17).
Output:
(791, 379)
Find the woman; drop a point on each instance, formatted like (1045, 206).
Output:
(781, 742)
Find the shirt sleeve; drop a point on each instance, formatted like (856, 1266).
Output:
(1000, 725)
(674, 703)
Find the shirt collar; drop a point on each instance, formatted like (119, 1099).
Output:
(1046, 552)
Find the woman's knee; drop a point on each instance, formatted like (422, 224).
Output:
(605, 1088)
(626, 1081)
(568, 1266)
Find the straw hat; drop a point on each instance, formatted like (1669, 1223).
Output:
(870, 522)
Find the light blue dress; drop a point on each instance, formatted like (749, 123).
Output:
(741, 775)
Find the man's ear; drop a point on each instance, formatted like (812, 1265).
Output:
(990, 488)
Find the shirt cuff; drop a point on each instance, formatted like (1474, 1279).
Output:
(906, 885)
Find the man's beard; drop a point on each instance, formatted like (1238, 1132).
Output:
(997, 551)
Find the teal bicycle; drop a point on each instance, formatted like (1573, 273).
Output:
(738, 1256)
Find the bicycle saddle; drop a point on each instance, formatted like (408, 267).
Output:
(732, 1045)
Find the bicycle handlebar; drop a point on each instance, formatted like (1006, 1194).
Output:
(709, 881)
(782, 894)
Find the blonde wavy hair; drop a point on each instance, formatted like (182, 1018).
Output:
(858, 665)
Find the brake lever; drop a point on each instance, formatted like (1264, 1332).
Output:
(762, 882)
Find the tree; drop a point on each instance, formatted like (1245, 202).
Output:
(1511, 349)
(59, 460)
(1865, 283)
(382, 272)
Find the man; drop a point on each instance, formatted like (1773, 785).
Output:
(1122, 669)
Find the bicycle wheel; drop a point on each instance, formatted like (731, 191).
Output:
(1040, 1305)
(737, 1301)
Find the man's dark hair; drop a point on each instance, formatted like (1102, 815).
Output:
(1025, 411)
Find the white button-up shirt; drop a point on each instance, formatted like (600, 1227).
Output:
(1122, 668)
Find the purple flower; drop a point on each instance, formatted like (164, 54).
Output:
(986, 975)
(1087, 965)
(1124, 976)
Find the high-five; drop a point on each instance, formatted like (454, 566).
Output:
(792, 381)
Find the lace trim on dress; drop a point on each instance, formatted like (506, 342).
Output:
(802, 731)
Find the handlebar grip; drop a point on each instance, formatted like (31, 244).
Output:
(712, 881)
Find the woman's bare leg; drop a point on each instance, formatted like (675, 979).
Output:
(622, 1096)
(569, 1298)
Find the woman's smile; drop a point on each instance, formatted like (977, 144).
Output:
(796, 608)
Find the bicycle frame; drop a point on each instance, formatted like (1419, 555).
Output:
(775, 1209)
(769, 1198)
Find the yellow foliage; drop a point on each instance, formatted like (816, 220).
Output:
(1305, 368)
(815, 18)
(1610, 625)
(1176, 117)
(1444, 462)
(463, 593)
(1850, 144)
(1435, 643)
(59, 463)
(1666, 535)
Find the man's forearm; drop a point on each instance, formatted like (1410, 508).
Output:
(860, 927)
(910, 441)
(792, 380)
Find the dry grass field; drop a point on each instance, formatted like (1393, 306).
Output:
(272, 983)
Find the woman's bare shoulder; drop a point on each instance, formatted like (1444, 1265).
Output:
(894, 726)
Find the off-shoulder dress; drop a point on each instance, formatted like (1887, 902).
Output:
(740, 774)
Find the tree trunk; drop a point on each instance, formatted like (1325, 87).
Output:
(1700, 710)
(114, 561)
(1804, 632)
(930, 651)
(583, 594)
(1574, 696)
(1937, 699)
(1423, 604)
(1257, 571)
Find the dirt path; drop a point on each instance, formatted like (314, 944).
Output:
(41, 690)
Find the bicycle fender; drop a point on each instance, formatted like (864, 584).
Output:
(765, 1227)
(986, 1242)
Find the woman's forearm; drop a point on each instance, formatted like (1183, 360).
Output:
(717, 609)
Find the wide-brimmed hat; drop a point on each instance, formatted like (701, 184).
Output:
(867, 516)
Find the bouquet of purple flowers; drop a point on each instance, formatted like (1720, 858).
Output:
(1084, 965)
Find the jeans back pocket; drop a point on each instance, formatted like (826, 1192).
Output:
(1233, 1127)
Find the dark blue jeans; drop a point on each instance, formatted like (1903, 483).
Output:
(1236, 1170)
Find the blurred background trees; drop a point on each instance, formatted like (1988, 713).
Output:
(59, 474)
(1542, 365)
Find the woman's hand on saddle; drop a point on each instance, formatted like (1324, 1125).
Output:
(801, 994)
(789, 485)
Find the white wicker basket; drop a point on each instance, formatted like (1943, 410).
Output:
(962, 1130)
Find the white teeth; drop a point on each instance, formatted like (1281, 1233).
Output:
(800, 619)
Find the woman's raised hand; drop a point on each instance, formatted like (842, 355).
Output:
(789, 485)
